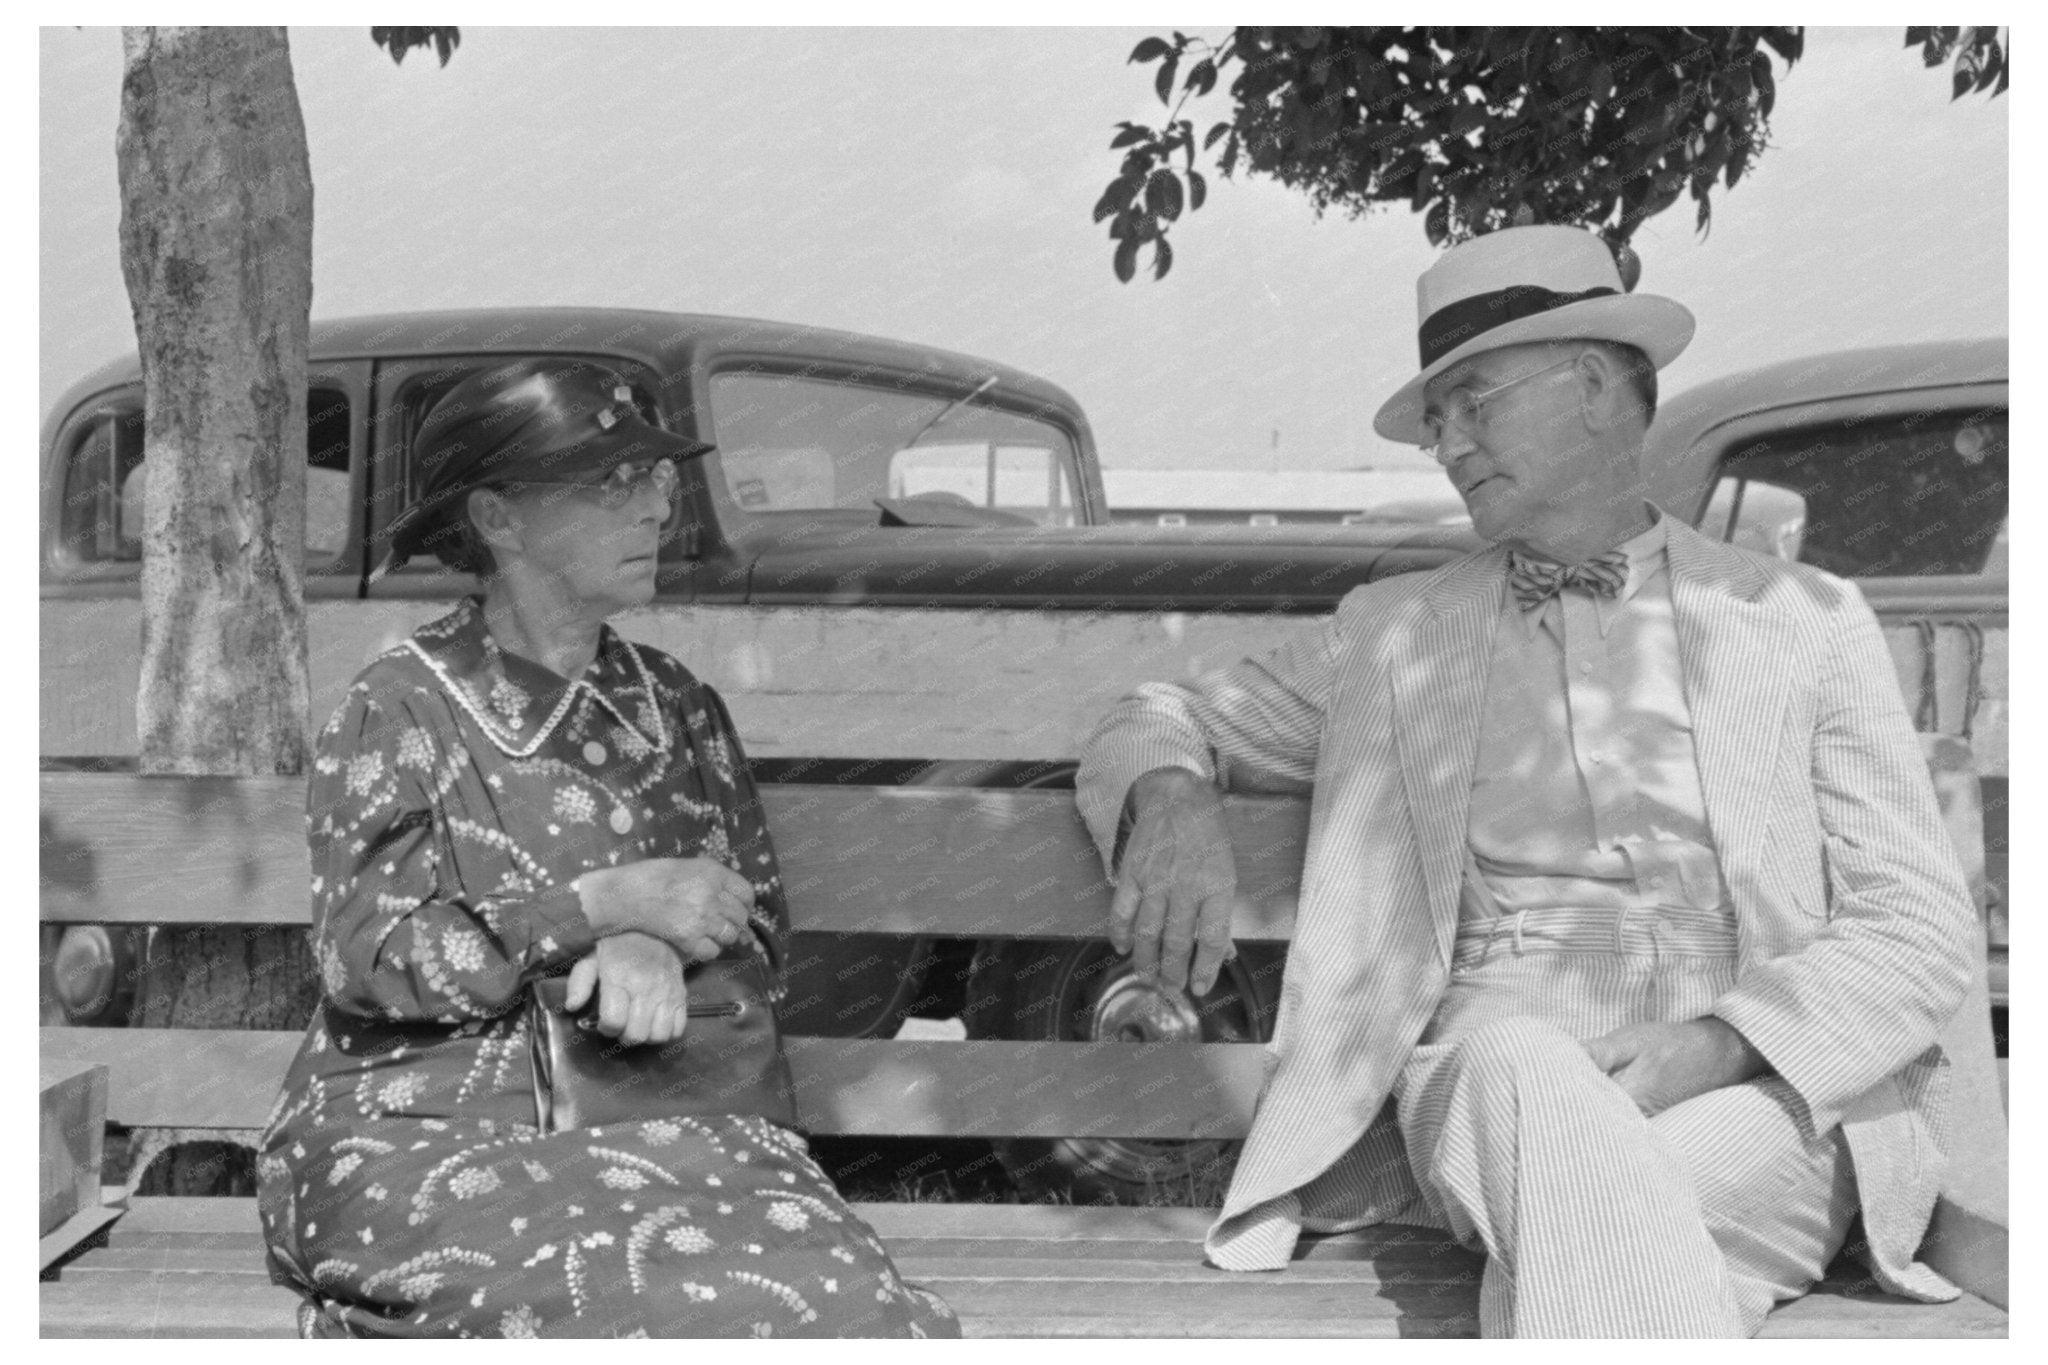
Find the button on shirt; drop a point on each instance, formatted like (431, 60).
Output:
(1587, 790)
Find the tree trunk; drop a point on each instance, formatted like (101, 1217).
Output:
(217, 251)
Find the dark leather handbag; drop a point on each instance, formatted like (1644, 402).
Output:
(728, 1061)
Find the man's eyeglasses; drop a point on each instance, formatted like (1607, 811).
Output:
(622, 483)
(1463, 406)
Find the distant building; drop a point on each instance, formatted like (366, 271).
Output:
(1238, 497)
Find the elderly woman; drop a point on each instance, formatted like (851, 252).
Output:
(514, 792)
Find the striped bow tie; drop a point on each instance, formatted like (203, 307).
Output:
(1536, 581)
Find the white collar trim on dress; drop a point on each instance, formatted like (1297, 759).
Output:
(508, 742)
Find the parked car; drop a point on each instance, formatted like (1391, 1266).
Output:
(858, 472)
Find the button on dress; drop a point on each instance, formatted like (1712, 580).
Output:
(404, 1188)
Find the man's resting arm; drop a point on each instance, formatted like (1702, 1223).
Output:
(1261, 716)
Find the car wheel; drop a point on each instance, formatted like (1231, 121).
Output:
(95, 972)
(1088, 992)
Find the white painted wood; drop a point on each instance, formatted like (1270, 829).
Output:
(854, 682)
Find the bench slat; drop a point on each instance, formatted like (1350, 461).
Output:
(1020, 1274)
(194, 1078)
(1069, 1225)
(142, 1303)
(1025, 1262)
(952, 862)
(1425, 1255)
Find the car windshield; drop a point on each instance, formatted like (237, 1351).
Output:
(800, 443)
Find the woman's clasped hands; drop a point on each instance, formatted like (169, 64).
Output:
(653, 918)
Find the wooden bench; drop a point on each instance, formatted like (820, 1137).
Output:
(121, 849)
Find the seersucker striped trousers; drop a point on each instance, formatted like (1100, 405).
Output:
(1597, 1221)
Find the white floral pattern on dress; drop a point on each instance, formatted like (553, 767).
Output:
(788, 1217)
(575, 805)
(474, 1181)
(508, 699)
(519, 1323)
(463, 949)
(439, 890)
(415, 749)
(689, 1240)
(364, 771)
(400, 1091)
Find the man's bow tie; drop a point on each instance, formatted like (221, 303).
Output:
(1536, 581)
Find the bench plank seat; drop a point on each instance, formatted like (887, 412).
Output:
(194, 1078)
(193, 1267)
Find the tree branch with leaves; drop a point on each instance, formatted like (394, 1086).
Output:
(1474, 128)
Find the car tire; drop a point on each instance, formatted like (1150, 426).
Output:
(1036, 991)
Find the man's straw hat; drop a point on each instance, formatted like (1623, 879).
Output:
(1525, 284)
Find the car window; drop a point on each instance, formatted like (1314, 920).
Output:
(791, 443)
(1917, 494)
(106, 482)
(418, 394)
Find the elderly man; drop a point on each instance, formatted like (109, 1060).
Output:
(1628, 920)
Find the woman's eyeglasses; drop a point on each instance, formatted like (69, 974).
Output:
(622, 483)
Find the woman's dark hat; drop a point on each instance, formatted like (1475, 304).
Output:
(538, 419)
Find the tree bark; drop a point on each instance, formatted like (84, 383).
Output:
(217, 251)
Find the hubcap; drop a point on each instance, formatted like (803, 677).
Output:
(1134, 1011)
(1129, 1010)
(85, 970)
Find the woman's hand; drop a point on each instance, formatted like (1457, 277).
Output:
(639, 982)
(698, 904)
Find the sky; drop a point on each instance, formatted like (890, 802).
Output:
(935, 185)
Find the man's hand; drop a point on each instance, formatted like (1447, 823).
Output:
(639, 984)
(1177, 882)
(1661, 1065)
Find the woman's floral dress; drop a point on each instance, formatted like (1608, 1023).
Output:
(405, 1190)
